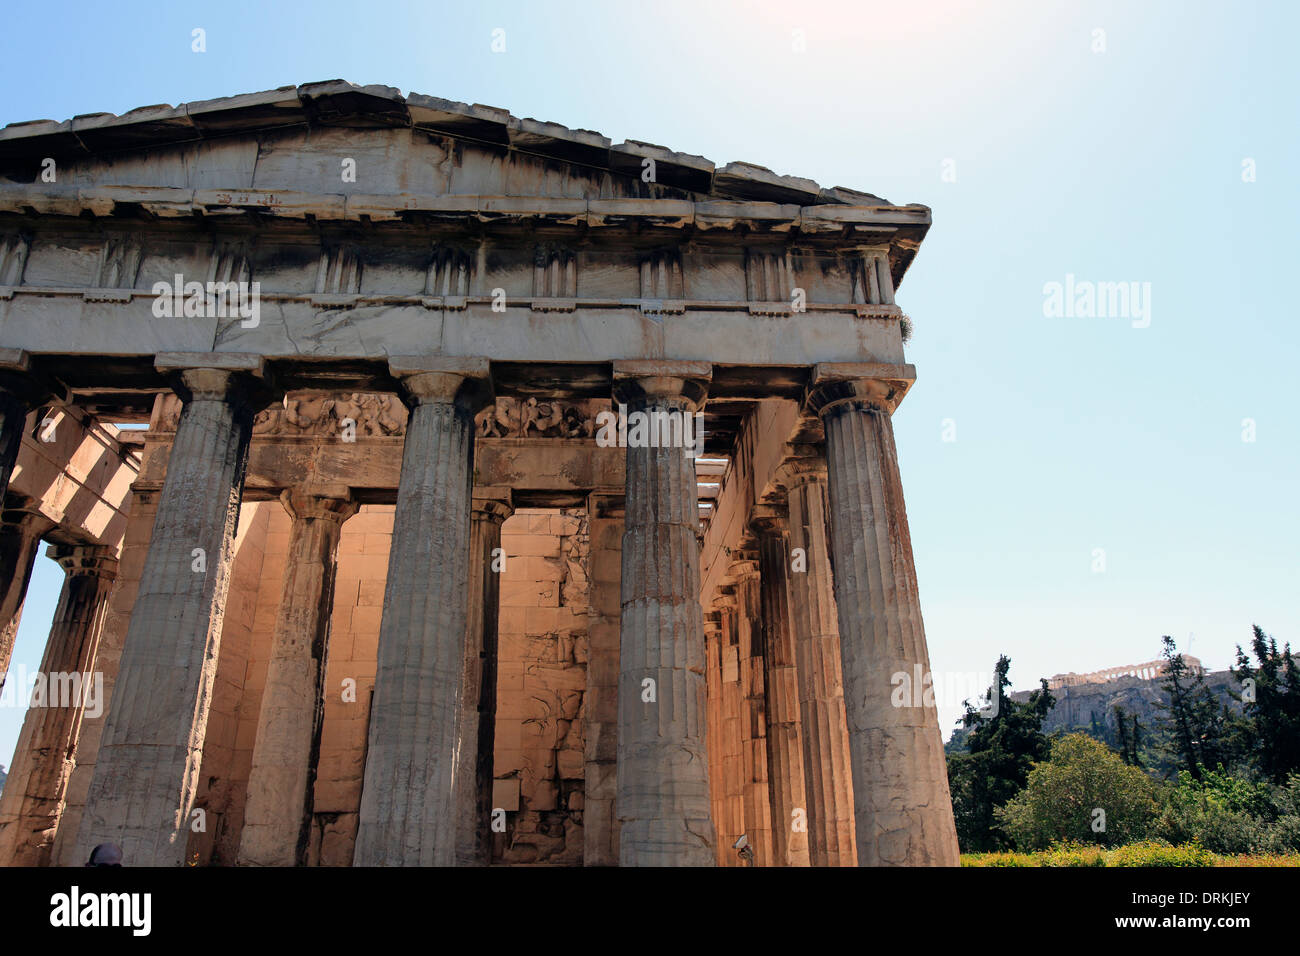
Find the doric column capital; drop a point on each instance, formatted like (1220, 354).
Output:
(869, 387)
(235, 378)
(744, 564)
(682, 385)
(96, 560)
(802, 469)
(493, 503)
(769, 520)
(712, 623)
(433, 379)
(331, 502)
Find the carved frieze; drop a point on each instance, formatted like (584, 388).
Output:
(530, 418)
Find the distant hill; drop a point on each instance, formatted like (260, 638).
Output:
(1086, 703)
(1090, 706)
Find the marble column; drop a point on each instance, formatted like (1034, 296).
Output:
(277, 816)
(828, 782)
(903, 809)
(784, 744)
(21, 528)
(68, 685)
(147, 769)
(713, 709)
(408, 799)
(743, 571)
(478, 707)
(731, 707)
(663, 782)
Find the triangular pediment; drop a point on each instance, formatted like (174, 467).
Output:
(338, 138)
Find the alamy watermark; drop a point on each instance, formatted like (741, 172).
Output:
(212, 300)
(1084, 299)
(652, 429)
(56, 689)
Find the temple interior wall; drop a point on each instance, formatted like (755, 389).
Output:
(543, 624)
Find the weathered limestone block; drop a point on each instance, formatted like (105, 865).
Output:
(408, 799)
(663, 784)
(32, 803)
(146, 773)
(278, 813)
(903, 807)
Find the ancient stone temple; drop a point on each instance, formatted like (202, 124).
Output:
(506, 496)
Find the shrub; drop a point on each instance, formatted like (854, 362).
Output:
(1063, 794)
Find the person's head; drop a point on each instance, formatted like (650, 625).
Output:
(106, 854)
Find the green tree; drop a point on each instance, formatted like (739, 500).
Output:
(1130, 737)
(1195, 721)
(1269, 729)
(1082, 793)
(1003, 740)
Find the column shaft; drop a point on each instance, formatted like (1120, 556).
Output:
(753, 717)
(277, 816)
(68, 684)
(903, 809)
(663, 783)
(146, 772)
(408, 796)
(784, 743)
(823, 723)
(479, 683)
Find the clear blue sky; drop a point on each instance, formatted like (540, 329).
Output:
(1125, 165)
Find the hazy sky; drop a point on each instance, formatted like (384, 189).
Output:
(1110, 142)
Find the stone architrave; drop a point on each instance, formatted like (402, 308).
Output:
(408, 799)
(277, 816)
(21, 528)
(663, 781)
(147, 770)
(903, 810)
(67, 684)
(828, 779)
(491, 507)
(784, 745)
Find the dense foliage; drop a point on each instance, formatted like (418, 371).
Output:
(1202, 785)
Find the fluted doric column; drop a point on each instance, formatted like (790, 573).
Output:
(408, 798)
(68, 684)
(714, 713)
(743, 572)
(21, 527)
(663, 782)
(784, 747)
(903, 809)
(490, 509)
(277, 815)
(147, 769)
(828, 779)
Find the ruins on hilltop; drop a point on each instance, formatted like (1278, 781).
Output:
(367, 590)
